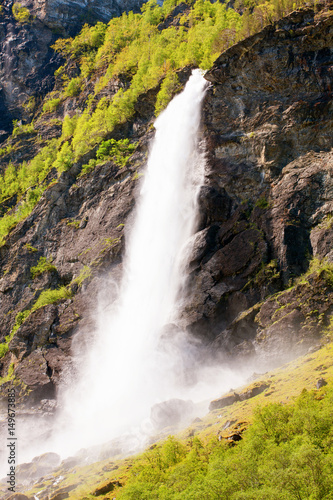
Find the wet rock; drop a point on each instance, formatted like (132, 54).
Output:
(171, 412)
(33, 372)
(46, 460)
(269, 190)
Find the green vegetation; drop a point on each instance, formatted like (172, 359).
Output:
(74, 223)
(262, 203)
(51, 105)
(169, 86)
(287, 453)
(49, 296)
(43, 266)
(85, 274)
(20, 129)
(321, 268)
(3, 349)
(118, 151)
(21, 14)
(74, 87)
(88, 167)
(30, 248)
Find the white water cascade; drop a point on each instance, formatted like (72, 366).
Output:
(126, 371)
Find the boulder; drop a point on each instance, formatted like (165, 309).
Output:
(171, 412)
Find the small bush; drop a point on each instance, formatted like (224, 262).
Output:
(119, 151)
(88, 167)
(19, 320)
(74, 87)
(262, 203)
(21, 14)
(85, 274)
(51, 105)
(30, 248)
(51, 296)
(3, 350)
(43, 266)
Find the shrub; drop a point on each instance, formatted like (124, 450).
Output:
(3, 350)
(88, 167)
(51, 105)
(51, 296)
(43, 266)
(85, 274)
(262, 203)
(119, 151)
(21, 14)
(74, 87)
(168, 87)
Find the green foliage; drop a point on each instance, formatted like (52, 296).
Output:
(321, 268)
(30, 248)
(73, 87)
(118, 151)
(11, 219)
(74, 223)
(68, 127)
(19, 320)
(85, 274)
(286, 454)
(43, 266)
(30, 104)
(51, 296)
(46, 297)
(3, 350)
(262, 203)
(64, 159)
(168, 87)
(21, 14)
(20, 129)
(88, 167)
(51, 105)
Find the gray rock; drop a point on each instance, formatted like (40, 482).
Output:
(321, 383)
(171, 412)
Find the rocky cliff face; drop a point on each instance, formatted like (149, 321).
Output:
(265, 212)
(27, 62)
(268, 199)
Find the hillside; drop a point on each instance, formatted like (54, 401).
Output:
(260, 282)
(274, 445)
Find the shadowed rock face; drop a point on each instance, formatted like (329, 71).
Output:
(67, 15)
(264, 212)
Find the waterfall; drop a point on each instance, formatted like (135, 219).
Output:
(126, 371)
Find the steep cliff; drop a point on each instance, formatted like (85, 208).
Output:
(268, 200)
(265, 213)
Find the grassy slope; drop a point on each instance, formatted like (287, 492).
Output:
(286, 384)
